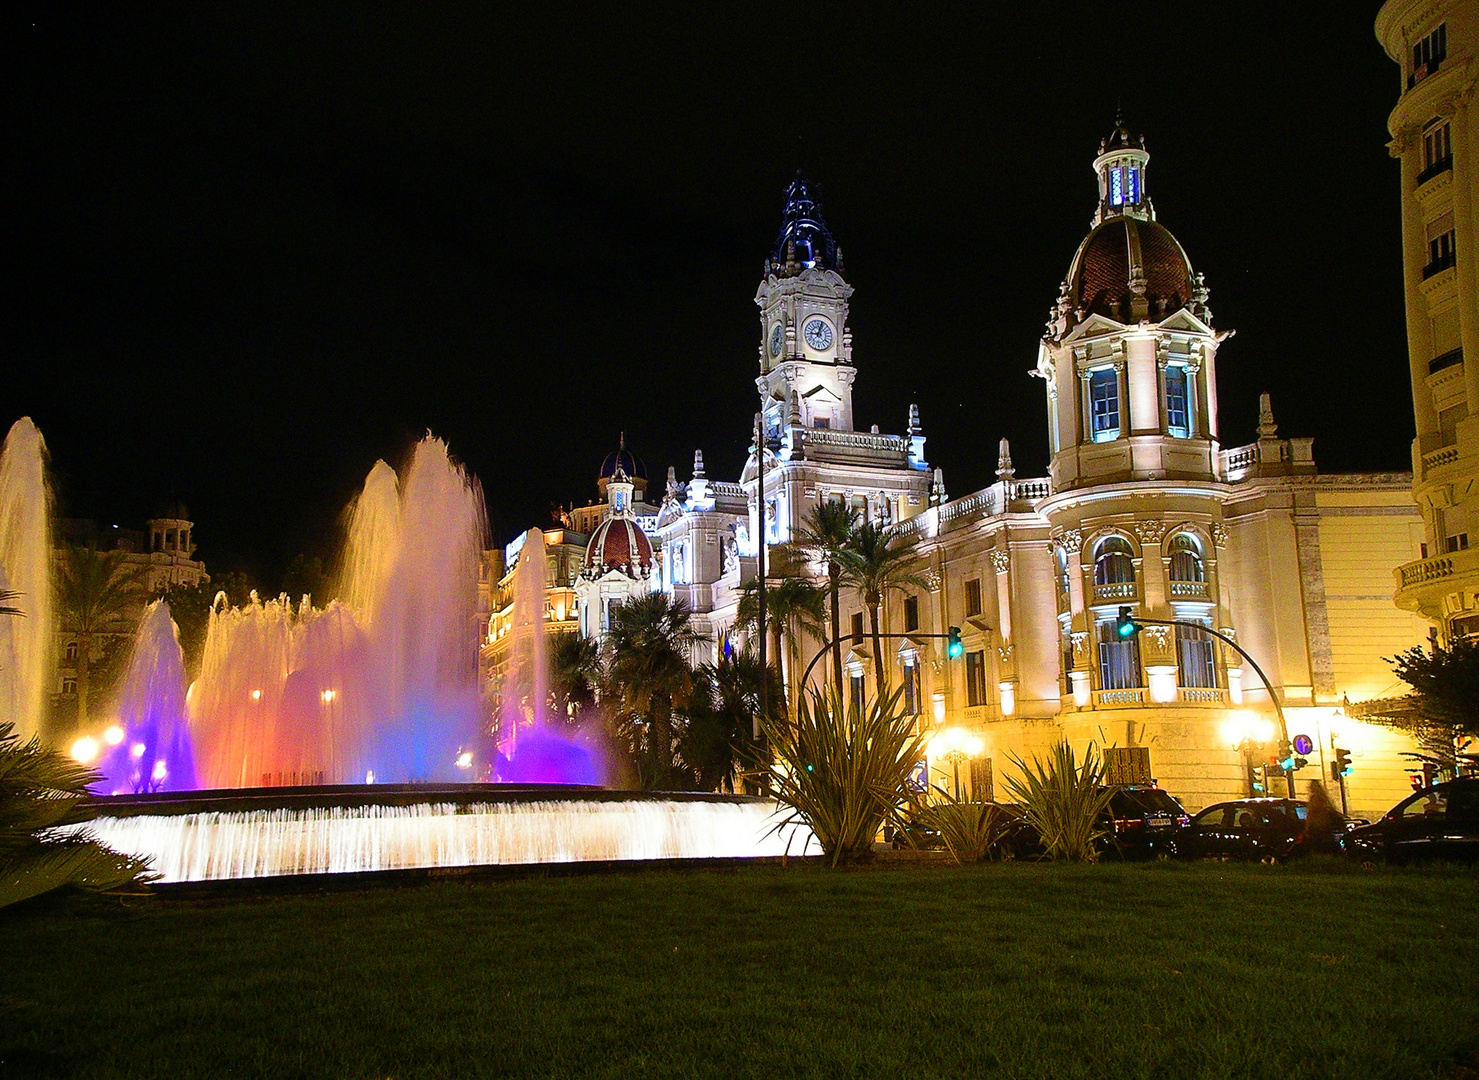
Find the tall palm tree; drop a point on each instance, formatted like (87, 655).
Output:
(794, 606)
(648, 671)
(97, 592)
(828, 531)
(873, 568)
(574, 670)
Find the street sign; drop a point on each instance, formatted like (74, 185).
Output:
(1303, 744)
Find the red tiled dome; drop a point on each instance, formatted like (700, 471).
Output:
(619, 544)
(1119, 250)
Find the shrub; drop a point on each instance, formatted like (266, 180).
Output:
(843, 771)
(971, 831)
(1064, 801)
(41, 790)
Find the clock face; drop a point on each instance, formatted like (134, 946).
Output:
(818, 334)
(777, 338)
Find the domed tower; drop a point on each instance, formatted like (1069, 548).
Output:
(623, 460)
(618, 559)
(805, 345)
(1129, 352)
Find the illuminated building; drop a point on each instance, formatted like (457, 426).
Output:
(1435, 136)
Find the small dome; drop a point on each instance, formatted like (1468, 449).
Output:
(618, 544)
(630, 464)
(1119, 253)
(804, 242)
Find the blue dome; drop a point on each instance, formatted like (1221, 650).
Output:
(630, 464)
(804, 241)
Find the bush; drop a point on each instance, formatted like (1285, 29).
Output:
(1064, 802)
(41, 790)
(971, 831)
(843, 771)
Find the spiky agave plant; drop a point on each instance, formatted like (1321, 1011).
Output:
(1064, 801)
(843, 770)
(971, 831)
(40, 790)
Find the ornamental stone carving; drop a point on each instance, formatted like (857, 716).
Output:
(1219, 534)
(1080, 640)
(931, 579)
(1150, 532)
(1072, 540)
(1000, 560)
(1158, 645)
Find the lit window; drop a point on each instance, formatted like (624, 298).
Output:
(1178, 408)
(1134, 184)
(1186, 559)
(1194, 657)
(1119, 660)
(1104, 404)
(1114, 562)
(975, 678)
(912, 692)
(1116, 188)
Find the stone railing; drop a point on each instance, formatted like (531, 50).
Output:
(1424, 571)
(1239, 459)
(1031, 489)
(856, 440)
(1118, 590)
(1135, 696)
(722, 487)
(1201, 695)
(1445, 455)
(1191, 590)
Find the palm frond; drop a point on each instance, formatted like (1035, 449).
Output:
(1063, 801)
(971, 831)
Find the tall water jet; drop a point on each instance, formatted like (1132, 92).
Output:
(147, 748)
(25, 566)
(531, 750)
(373, 542)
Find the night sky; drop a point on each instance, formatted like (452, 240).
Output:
(253, 248)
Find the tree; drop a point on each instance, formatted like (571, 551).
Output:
(828, 532)
(874, 568)
(1442, 712)
(305, 577)
(97, 592)
(650, 676)
(574, 672)
(793, 606)
(41, 789)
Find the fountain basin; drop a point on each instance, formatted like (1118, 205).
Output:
(271, 832)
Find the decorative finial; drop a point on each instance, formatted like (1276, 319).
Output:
(914, 427)
(937, 489)
(1267, 429)
(622, 443)
(698, 464)
(1004, 469)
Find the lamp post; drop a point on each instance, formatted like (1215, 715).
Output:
(955, 745)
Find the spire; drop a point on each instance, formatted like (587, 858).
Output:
(698, 464)
(670, 492)
(914, 427)
(804, 241)
(1267, 428)
(1004, 468)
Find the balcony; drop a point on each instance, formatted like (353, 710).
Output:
(1112, 698)
(1436, 459)
(1189, 590)
(1447, 360)
(1438, 265)
(1201, 695)
(1117, 590)
(1437, 168)
(1422, 585)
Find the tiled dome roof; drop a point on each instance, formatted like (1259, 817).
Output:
(618, 544)
(1121, 250)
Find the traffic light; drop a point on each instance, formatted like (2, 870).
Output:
(1341, 766)
(953, 648)
(1286, 755)
(1125, 627)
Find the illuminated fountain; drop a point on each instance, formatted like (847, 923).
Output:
(25, 569)
(342, 738)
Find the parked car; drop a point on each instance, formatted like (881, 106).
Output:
(914, 834)
(1138, 823)
(1439, 822)
(1270, 830)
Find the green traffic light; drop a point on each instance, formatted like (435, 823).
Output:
(1125, 626)
(953, 647)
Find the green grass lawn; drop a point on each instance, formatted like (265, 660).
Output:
(1173, 971)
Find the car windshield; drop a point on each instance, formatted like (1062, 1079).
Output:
(1301, 811)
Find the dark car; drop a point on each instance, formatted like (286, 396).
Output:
(1439, 822)
(1138, 824)
(914, 834)
(1269, 830)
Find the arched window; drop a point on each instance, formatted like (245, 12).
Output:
(1114, 562)
(1186, 559)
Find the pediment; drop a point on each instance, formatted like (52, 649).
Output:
(1185, 322)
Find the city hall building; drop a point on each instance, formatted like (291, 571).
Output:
(1141, 507)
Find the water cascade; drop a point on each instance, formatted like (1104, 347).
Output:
(25, 569)
(230, 835)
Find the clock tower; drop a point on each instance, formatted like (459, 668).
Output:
(805, 344)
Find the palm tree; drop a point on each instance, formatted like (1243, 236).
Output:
(719, 741)
(574, 670)
(794, 606)
(828, 531)
(41, 788)
(873, 568)
(96, 591)
(649, 673)
(6, 597)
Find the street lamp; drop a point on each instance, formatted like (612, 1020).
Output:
(955, 744)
